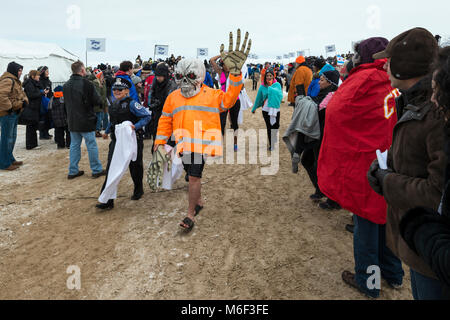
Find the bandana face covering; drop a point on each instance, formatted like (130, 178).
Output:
(189, 76)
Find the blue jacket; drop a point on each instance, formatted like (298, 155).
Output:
(314, 87)
(208, 80)
(133, 92)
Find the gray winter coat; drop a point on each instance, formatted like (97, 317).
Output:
(305, 120)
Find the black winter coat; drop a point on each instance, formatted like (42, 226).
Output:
(80, 97)
(46, 83)
(160, 92)
(33, 91)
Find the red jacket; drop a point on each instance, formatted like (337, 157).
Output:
(360, 119)
(147, 87)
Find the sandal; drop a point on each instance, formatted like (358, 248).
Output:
(187, 221)
(198, 208)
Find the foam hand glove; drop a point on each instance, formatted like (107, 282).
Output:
(234, 60)
(155, 171)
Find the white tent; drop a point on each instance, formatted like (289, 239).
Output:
(32, 55)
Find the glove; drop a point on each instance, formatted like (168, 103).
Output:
(234, 60)
(376, 177)
(415, 218)
(155, 104)
(371, 177)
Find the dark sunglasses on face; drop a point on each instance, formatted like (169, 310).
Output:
(120, 90)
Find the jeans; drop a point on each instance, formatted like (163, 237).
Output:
(99, 121)
(102, 121)
(75, 152)
(105, 120)
(424, 288)
(8, 138)
(369, 243)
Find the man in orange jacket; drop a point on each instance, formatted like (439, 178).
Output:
(192, 115)
(300, 81)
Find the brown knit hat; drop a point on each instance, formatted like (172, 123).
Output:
(412, 53)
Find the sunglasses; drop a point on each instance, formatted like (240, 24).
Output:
(120, 90)
(190, 75)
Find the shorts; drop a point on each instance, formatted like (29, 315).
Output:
(193, 164)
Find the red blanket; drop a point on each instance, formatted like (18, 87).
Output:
(359, 120)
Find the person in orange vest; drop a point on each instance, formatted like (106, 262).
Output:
(300, 81)
(192, 115)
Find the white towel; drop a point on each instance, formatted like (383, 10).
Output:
(170, 177)
(273, 112)
(125, 151)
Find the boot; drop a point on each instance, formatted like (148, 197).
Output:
(106, 206)
(137, 194)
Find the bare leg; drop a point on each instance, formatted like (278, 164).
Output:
(195, 186)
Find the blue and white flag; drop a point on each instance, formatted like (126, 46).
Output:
(331, 48)
(202, 52)
(96, 45)
(161, 50)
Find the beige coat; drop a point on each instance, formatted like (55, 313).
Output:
(12, 95)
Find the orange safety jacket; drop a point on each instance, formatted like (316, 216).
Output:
(195, 122)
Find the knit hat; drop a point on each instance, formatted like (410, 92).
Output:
(42, 69)
(162, 70)
(367, 48)
(319, 63)
(412, 53)
(98, 73)
(136, 80)
(332, 77)
(325, 68)
(147, 67)
(58, 92)
(300, 59)
(121, 83)
(14, 68)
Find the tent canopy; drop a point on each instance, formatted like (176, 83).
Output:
(32, 55)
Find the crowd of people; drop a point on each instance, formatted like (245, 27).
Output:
(388, 95)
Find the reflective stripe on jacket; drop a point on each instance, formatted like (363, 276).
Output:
(195, 122)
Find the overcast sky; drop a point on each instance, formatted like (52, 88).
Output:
(133, 27)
